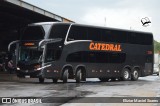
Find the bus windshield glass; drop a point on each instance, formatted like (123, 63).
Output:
(31, 55)
(58, 31)
(33, 33)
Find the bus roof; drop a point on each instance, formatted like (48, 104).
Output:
(126, 30)
(51, 23)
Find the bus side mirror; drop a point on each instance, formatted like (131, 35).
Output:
(14, 42)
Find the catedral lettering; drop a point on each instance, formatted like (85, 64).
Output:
(105, 47)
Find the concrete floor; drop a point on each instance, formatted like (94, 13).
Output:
(145, 87)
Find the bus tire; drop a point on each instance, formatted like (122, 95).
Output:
(78, 76)
(104, 79)
(125, 74)
(41, 80)
(54, 80)
(65, 76)
(135, 75)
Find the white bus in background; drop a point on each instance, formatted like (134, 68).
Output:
(156, 64)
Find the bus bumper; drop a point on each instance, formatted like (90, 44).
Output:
(28, 73)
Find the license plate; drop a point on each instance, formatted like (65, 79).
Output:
(27, 76)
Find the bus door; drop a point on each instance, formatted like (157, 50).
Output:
(53, 52)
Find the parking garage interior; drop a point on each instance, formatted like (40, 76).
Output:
(16, 14)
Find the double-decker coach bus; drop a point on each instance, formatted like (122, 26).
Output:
(74, 51)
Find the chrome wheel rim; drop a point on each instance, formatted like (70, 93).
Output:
(135, 73)
(80, 75)
(126, 74)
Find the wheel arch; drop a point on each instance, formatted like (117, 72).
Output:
(128, 67)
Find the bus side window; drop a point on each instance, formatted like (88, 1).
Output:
(114, 36)
(119, 36)
(94, 34)
(77, 33)
(96, 57)
(74, 57)
(106, 35)
(140, 38)
(116, 57)
(52, 54)
(92, 57)
(101, 57)
(59, 31)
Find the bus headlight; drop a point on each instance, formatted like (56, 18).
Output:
(18, 68)
(37, 67)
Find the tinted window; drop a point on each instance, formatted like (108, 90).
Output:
(75, 57)
(52, 53)
(106, 36)
(109, 35)
(116, 57)
(91, 57)
(132, 38)
(119, 36)
(140, 38)
(114, 36)
(126, 37)
(149, 39)
(59, 31)
(94, 34)
(96, 57)
(77, 33)
(33, 33)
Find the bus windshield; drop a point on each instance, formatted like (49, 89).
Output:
(33, 33)
(30, 55)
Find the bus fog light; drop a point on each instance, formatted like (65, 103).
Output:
(18, 68)
(38, 69)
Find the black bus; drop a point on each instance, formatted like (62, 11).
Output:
(73, 51)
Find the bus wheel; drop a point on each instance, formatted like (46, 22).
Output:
(41, 80)
(54, 80)
(104, 79)
(134, 75)
(125, 74)
(78, 76)
(65, 76)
